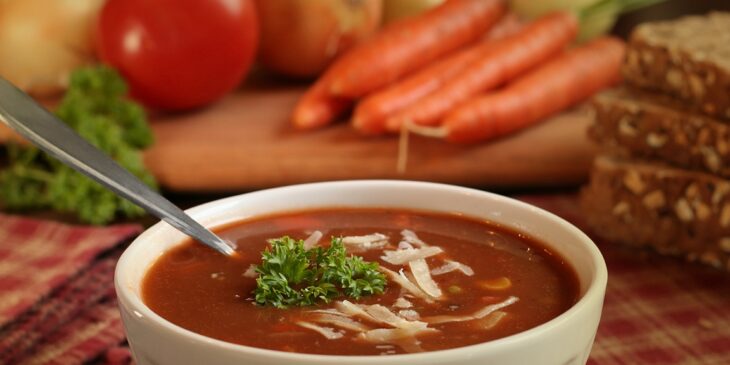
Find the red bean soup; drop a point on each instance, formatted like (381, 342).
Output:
(450, 281)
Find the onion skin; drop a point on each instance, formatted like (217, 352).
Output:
(42, 41)
(300, 38)
(398, 9)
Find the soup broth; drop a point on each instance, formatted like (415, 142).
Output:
(493, 283)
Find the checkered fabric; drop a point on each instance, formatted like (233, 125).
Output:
(658, 310)
(57, 301)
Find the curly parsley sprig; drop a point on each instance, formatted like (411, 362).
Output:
(96, 107)
(290, 275)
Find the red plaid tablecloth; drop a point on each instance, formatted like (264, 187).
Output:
(57, 302)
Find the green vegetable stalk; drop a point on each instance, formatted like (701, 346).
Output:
(596, 17)
(95, 106)
(290, 275)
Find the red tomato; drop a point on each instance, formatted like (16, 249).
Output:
(179, 54)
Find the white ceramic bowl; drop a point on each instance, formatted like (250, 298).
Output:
(564, 340)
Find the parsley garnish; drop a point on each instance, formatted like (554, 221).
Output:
(96, 107)
(290, 275)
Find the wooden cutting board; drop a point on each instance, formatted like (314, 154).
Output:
(244, 142)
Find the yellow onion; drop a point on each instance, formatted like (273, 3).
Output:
(301, 37)
(398, 9)
(42, 41)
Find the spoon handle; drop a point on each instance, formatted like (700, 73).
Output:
(38, 125)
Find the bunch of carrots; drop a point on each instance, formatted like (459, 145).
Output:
(465, 71)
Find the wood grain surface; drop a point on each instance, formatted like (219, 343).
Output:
(245, 142)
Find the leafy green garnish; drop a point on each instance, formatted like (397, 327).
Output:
(95, 106)
(290, 275)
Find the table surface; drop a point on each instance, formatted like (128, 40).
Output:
(58, 301)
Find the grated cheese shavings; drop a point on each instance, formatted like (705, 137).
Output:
(412, 238)
(404, 245)
(353, 310)
(401, 279)
(251, 272)
(312, 240)
(327, 332)
(450, 266)
(331, 311)
(342, 322)
(392, 335)
(409, 314)
(402, 302)
(366, 242)
(385, 316)
(476, 315)
(422, 274)
(490, 321)
(400, 257)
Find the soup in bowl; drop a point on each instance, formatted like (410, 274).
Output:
(354, 272)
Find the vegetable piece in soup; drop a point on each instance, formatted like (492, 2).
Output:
(362, 282)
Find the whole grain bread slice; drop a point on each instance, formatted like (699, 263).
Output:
(674, 211)
(656, 127)
(688, 58)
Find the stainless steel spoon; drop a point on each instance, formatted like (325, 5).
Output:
(39, 126)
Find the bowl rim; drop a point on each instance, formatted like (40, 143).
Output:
(595, 287)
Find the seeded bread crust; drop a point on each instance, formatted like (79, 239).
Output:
(688, 58)
(676, 212)
(651, 126)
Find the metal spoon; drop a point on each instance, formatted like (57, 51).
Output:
(38, 125)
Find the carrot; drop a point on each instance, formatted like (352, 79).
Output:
(410, 44)
(559, 84)
(316, 108)
(371, 113)
(498, 63)
(507, 25)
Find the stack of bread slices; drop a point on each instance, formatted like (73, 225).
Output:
(662, 178)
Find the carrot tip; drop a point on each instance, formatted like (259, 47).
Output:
(393, 124)
(367, 126)
(305, 121)
(358, 122)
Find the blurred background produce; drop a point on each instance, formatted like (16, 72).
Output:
(300, 38)
(42, 41)
(179, 54)
(394, 53)
(442, 69)
(396, 10)
(595, 24)
(597, 16)
(188, 64)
